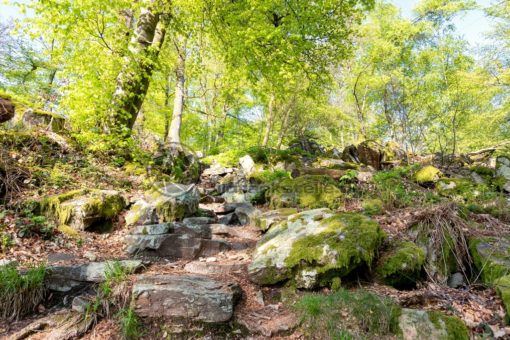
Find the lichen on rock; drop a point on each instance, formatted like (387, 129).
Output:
(314, 247)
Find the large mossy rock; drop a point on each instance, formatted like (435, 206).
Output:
(314, 248)
(267, 219)
(370, 153)
(424, 325)
(166, 203)
(82, 209)
(503, 172)
(38, 118)
(402, 265)
(307, 192)
(491, 257)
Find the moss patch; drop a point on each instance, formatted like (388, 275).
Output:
(427, 174)
(306, 192)
(348, 314)
(347, 241)
(503, 289)
(491, 257)
(401, 267)
(79, 204)
(455, 328)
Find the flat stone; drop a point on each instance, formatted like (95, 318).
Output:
(185, 298)
(218, 208)
(136, 243)
(152, 229)
(206, 268)
(196, 230)
(65, 278)
(269, 321)
(198, 220)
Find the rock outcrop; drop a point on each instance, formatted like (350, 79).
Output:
(83, 209)
(164, 203)
(315, 247)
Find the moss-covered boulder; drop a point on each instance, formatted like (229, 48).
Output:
(503, 172)
(315, 248)
(39, 118)
(164, 203)
(371, 153)
(502, 286)
(427, 174)
(267, 219)
(307, 192)
(81, 209)
(393, 155)
(424, 325)
(401, 267)
(491, 256)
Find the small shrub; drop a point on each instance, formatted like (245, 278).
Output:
(20, 294)
(130, 324)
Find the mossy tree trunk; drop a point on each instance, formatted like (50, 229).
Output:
(134, 78)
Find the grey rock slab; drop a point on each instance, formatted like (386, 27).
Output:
(185, 297)
(152, 229)
(65, 278)
(136, 243)
(198, 220)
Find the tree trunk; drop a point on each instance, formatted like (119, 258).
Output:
(133, 80)
(285, 123)
(174, 134)
(269, 124)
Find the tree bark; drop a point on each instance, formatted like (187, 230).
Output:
(285, 123)
(134, 78)
(174, 133)
(269, 124)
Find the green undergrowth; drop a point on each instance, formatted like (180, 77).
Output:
(130, 324)
(264, 156)
(20, 293)
(347, 315)
(455, 328)
(397, 189)
(307, 192)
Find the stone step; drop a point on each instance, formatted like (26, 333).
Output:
(185, 298)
